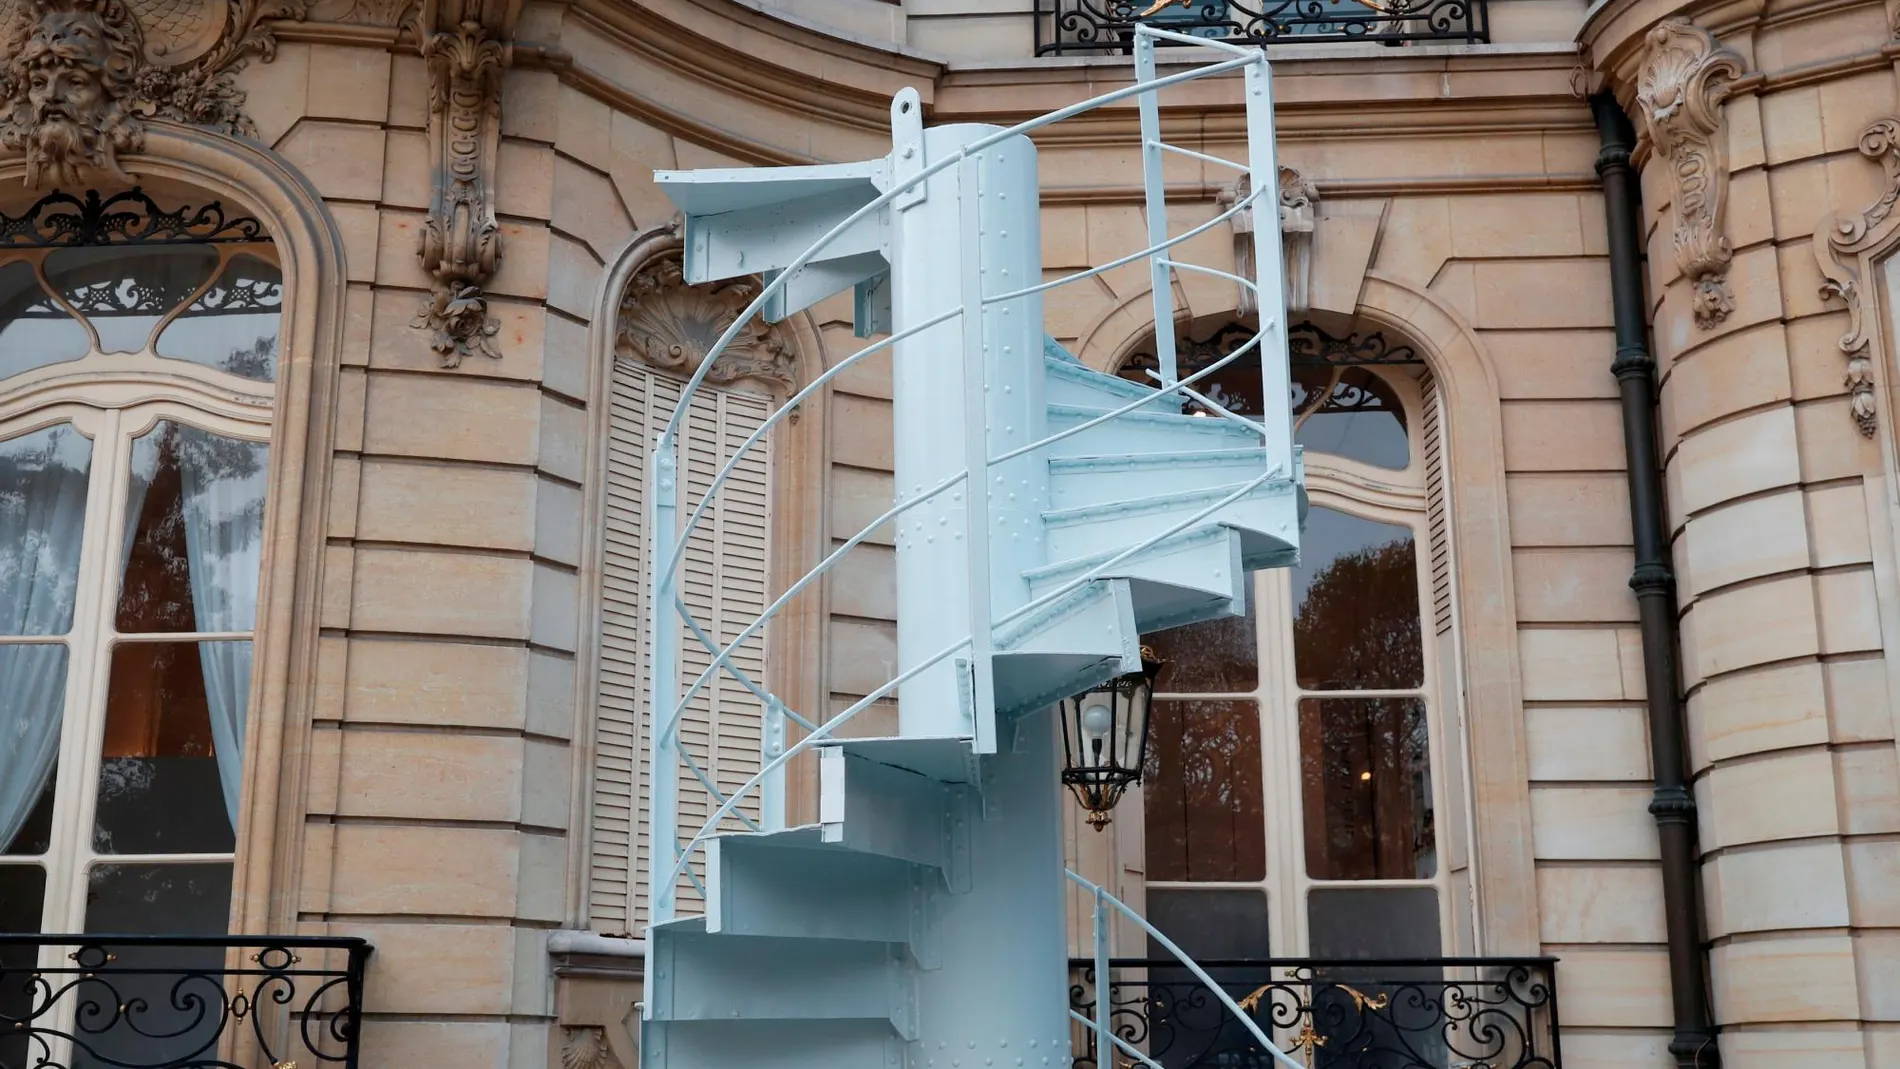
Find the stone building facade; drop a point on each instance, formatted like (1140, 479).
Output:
(482, 310)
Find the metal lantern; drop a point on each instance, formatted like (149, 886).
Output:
(1105, 738)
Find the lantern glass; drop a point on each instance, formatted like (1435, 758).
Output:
(1105, 738)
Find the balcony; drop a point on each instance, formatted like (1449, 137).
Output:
(180, 1002)
(1106, 27)
(1424, 1013)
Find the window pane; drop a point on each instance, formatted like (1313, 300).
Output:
(1201, 794)
(34, 330)
(171, 728)
(124, 292)
(1355, 605)
(195, 513)
(32, 701)
(22, 894)
(42, 516)
(1211, 657)
(1366, 786)
(1210, 925)
(1373, 922)
(169, 1017)
(1350, 412)
(233, 325)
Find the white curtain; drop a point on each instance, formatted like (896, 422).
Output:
(42, 516)
(224, 482)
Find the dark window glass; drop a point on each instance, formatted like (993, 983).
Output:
(159, 788)
(1355, 605)
(1366, 789)
(1373, 922)
(22, 896)
(1201, 792)
(171, 1016)
(1211, 657)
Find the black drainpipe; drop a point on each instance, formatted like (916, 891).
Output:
(1655, 584)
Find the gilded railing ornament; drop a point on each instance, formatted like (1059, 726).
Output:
(1679, 92)
(671, 325)
(1839, 243)
(461, 241)
(81, 77)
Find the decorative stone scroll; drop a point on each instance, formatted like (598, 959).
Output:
(1679, 93)
(1840, 243)
(1298, 199)
(81, 77)
(671, 325)
(461, 241)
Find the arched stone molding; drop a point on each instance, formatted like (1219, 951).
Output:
(285, 682)
(794, 651)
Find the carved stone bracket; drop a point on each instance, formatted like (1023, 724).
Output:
(671, 325)
(81, 77)
(1298, 200)
(587, 1048)
(1840, 243)
(1679, 92)
(465, 48)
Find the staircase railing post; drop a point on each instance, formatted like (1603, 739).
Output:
(976, 451)
(663, 684)
(1104, 1037)
(1269, 266)
(1155, 196)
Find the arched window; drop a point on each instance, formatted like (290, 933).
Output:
(1303, 771)
(138, 355)
(663, 329)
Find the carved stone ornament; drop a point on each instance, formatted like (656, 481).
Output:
(1839, 243)
(81, 77)
(1298, 201)
(461, 241)
(586, 1048)
(671, 325)
(1679, 93)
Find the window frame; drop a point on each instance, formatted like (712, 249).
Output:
(113, 399)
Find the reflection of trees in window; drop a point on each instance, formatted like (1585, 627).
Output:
(1202, 797)
(1358, 626)
(1365, 777)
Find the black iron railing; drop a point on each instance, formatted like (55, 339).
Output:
(180, 1002)
(1420, 1013)
(1100, 27)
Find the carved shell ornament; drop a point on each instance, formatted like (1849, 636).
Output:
(1679, 93)
(1838, 244)
(671, 325)
(81, 77)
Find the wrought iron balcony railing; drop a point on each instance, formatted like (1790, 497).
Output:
(180, 1002)
(1107, 27)
(1421, 1013)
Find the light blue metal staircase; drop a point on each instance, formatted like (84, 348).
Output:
(920, 922)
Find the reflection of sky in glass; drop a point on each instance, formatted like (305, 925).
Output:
(1373, 437)
(198, 500)
(42, 513)
(1330, 535)
(124, 292)
(233, 325)
(34, 330)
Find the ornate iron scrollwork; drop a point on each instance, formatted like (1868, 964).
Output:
(1397, 1014)
(129, 218)
(1071, 26)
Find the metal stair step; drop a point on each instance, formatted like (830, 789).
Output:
(1192, 576)
(1141, 431)
(1079, 481)
(874, 808)
(1069, 645)
(1267, 518)
(756, 886)
(1071, 382)
(819, 1044)
(707, 976)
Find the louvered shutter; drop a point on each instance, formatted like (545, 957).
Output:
(722, 581)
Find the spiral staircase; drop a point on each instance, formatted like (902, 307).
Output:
(920, 923)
